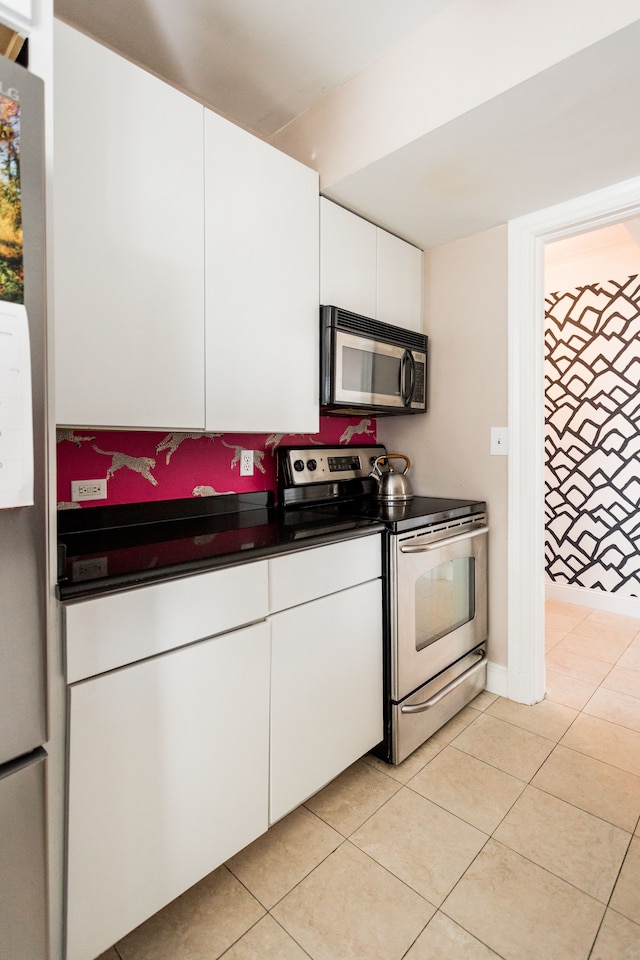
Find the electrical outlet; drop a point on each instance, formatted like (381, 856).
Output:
(246, 463)
(89, 569)
(88, 490)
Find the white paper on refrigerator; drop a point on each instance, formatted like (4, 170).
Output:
(16, 422)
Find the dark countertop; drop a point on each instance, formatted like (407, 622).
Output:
(104, 549)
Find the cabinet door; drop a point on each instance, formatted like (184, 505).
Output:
(128, 243)
(399, 282)
(347, 260)
(326, 691)
(261, 225)
(168, 777)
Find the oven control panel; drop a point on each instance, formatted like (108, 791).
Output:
(304, 465)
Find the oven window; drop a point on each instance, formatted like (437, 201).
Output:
(367, 372)
(445, 600)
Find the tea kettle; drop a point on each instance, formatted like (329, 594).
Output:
(392, 485)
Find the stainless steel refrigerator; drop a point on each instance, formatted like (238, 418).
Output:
(23, 537)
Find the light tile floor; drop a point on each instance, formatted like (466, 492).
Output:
(513, 833)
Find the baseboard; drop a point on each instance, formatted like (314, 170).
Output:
(511, 685)
(596, 599)
(497, 679)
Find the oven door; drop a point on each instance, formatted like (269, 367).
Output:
(440, 597)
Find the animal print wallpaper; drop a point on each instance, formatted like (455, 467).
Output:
(141, 466)
(592, 398)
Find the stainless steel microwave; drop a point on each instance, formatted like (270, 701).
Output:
(369, 367)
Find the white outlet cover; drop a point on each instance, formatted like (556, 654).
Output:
(246, 463)
(89, 489)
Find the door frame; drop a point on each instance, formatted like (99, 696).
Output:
(527, 237)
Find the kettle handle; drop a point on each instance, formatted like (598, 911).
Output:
(399, 456)
(375, 470)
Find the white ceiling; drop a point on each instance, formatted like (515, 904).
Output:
(569, 130)
(566, 132)
(259, 62)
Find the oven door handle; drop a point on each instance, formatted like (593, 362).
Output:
(436, 544)
(441, 694)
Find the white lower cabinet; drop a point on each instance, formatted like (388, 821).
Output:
(326, 691)
(203, 709)
(168, 777)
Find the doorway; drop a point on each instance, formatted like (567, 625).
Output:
(592, 372)
(527, 237)
(592, 323)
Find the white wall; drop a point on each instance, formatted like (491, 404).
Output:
(466, 321)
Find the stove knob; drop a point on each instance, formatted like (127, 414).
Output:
(298, 465)
(312, 464)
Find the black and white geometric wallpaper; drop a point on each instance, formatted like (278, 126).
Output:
(592, 437)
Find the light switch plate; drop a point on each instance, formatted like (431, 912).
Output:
(499, 441)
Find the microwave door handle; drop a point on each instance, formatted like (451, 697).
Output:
(407, 364)
(436, 544)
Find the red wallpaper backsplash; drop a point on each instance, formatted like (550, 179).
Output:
(142, 465)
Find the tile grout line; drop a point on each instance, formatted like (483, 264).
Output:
(612, 766)
(576, 806)
(237, 940)
(399, 784)
(343, 840)
(608, 904)
(557, 743)
(523, 856)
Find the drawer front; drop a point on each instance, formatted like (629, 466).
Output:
(112, 631)
(310, 574)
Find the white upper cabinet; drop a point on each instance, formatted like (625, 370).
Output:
(128, 243)
(347, 260)
(367, 270)
(147, 185)
(16, 13)
(261, 224)
(399, 282)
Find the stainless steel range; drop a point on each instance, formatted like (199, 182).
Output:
(434, 586)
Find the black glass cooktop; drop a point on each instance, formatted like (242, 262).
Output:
(408, 514)
(342, 482)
